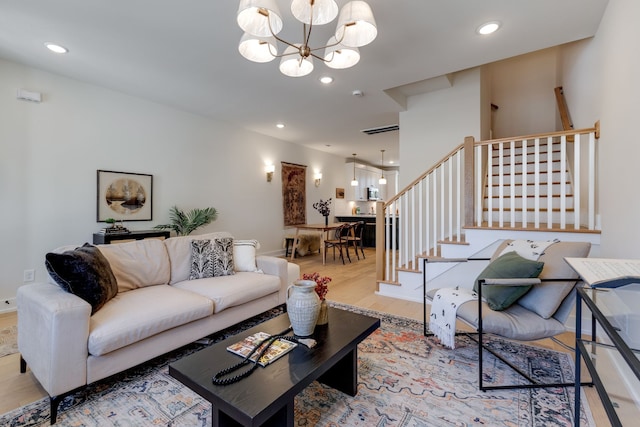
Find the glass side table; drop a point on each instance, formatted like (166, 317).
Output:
(611, 360)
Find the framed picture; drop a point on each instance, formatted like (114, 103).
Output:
(124, 196)
(339, 193)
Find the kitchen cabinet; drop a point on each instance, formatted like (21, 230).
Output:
(367, 176)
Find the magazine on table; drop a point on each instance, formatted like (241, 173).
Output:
(277, 349)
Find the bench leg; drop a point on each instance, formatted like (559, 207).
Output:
(23, 365)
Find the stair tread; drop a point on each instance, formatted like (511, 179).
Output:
(554, 227)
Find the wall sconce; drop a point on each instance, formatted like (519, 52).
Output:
(269, 169)
(318, 177)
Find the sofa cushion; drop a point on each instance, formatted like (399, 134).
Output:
(230, 291)
(244, 255)
(179, 250)
(507, 266)
(134, 316)
(138, 264)
(84, 272)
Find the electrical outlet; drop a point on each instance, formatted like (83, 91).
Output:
(7, 305)
(29, 275)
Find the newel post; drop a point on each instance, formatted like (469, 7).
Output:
(381, 231)
(469, 174)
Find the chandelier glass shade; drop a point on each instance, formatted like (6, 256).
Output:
(261, 21)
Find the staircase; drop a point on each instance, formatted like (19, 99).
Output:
(531, 187)
(520, 188)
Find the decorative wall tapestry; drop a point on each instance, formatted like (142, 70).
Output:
(294, 199)
(124, 196)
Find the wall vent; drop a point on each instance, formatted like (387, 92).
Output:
(381, 129)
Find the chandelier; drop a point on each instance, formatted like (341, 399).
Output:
(261, 21)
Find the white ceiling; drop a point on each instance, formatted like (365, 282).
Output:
(184, 54)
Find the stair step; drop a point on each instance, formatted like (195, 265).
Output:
(518, 227)
(528, 210)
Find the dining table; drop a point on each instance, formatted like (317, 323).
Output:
(323, 228)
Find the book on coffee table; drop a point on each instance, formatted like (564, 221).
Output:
(277, 349)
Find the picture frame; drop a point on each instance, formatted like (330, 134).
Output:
(339, 193)
(124, 196)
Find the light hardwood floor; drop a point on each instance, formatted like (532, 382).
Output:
(353, 283)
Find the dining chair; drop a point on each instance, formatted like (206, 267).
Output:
(340, 240)
(356, 238)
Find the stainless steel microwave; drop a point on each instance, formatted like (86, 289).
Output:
(373, 193)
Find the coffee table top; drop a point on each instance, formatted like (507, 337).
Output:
(260, 395)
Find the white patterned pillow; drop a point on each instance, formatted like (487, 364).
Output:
(202, 259)
(222, 257)
(244, 255)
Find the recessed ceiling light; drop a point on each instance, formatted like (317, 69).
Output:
(326, 79)
(280, 125)
(488, 28)
(56, 48)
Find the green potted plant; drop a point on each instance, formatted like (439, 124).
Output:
(185, 223)
(111, 222)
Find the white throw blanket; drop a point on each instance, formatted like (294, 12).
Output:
(444, 307)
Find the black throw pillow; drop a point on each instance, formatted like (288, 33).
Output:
(84, 272)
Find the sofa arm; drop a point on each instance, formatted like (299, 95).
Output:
(276, 267)
(53, 332)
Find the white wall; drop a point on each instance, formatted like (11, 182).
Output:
(436, 122)
(601, 81)
(49, 154)
(522, 88)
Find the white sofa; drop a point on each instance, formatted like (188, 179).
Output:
(157, 309)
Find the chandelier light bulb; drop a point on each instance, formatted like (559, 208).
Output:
(294, 65)
(260, 18)
(356, 24)
(338, 56)
(322, 11)
(258, 49)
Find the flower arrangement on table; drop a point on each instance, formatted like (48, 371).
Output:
(321, 283)
(321, 290)
(324, 207)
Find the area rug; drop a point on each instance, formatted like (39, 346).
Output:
(404, 379)
(8, 340)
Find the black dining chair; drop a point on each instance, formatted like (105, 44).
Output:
(340, 241)
(356, 238)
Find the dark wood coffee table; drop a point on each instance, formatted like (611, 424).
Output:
(265, 398)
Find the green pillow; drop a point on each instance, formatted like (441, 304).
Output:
(507, 266)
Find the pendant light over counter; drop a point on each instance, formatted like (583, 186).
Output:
(382, 180)
(354, 183)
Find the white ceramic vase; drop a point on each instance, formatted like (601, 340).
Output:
(303, 306)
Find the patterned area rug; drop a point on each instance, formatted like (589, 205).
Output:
(404, 379)
(8, 340)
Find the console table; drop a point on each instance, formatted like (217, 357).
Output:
(102, 238)
(603, 275)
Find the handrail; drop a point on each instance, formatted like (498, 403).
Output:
(423, 176)
(584, 131)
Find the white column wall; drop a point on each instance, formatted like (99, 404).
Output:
(436, 122)
(602, 83)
